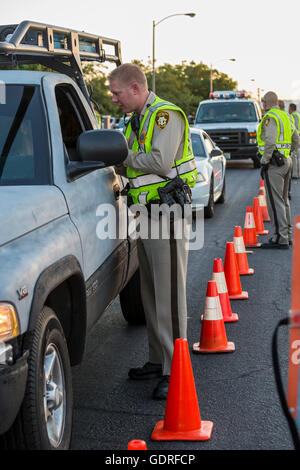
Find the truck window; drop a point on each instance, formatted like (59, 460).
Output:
(24, 143)
(73, 118)
(226, 112)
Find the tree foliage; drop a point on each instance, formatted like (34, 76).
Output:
(183, 84)
(190, 84)
(96, 80)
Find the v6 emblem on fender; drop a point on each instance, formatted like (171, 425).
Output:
(22, 292)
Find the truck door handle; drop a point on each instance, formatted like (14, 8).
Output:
(117, 191)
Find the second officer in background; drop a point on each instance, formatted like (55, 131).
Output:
(277, 137)
(296, 154)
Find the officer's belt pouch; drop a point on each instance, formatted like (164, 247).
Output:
(277, 158)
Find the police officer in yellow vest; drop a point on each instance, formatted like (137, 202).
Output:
(277, 138)
(160, 150)
(296, 154)
(293, 111)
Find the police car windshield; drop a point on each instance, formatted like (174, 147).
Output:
(24, 149)
(226, 112)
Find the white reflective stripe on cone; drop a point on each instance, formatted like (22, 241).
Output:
(239, 245)
(249, 220)
(262, 200)
(212, 309)
(221, 282)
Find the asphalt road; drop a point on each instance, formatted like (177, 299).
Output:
(236, 391)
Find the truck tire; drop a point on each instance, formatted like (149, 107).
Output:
(45, 419)
(131, 301)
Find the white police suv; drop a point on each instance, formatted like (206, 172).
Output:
(231, 119)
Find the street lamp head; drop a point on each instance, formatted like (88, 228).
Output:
(232, 60)
(190, 14)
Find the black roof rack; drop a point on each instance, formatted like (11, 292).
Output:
(54, 47)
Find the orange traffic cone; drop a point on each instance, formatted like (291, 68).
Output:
(137, 444)
(263, 206)
(259, 225)
(182, 416)
(219, 276)
(262, 186)
(232, 276)
(240, 252)
(249, 235)
(213, 337)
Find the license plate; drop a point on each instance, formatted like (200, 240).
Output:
(227, 156)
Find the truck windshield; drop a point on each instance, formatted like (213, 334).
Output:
(24, 148)
(226, 112)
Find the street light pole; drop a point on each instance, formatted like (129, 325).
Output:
(210, 80)
(211, 73)
(191, 15)
(153, 58)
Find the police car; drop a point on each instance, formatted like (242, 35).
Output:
(231, 119)
(211, 166)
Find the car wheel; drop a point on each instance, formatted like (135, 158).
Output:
(209, 210)
(222, 198)
(256, 162)
(45, 419)
(131, 301)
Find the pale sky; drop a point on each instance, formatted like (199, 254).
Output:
(262, 35)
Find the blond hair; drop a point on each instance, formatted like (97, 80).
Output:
(128, 74)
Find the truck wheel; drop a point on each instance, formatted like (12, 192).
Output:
(209, 210)
(131, 301)
(256, 162)
(45, 419)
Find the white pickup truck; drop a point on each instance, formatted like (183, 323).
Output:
(58, 188)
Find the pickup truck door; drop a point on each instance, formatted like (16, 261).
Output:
(95, 205)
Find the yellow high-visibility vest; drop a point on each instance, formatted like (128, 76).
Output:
(285, 127)
(144, 186)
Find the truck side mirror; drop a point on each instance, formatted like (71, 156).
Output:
(103, 146)
(97, 149)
